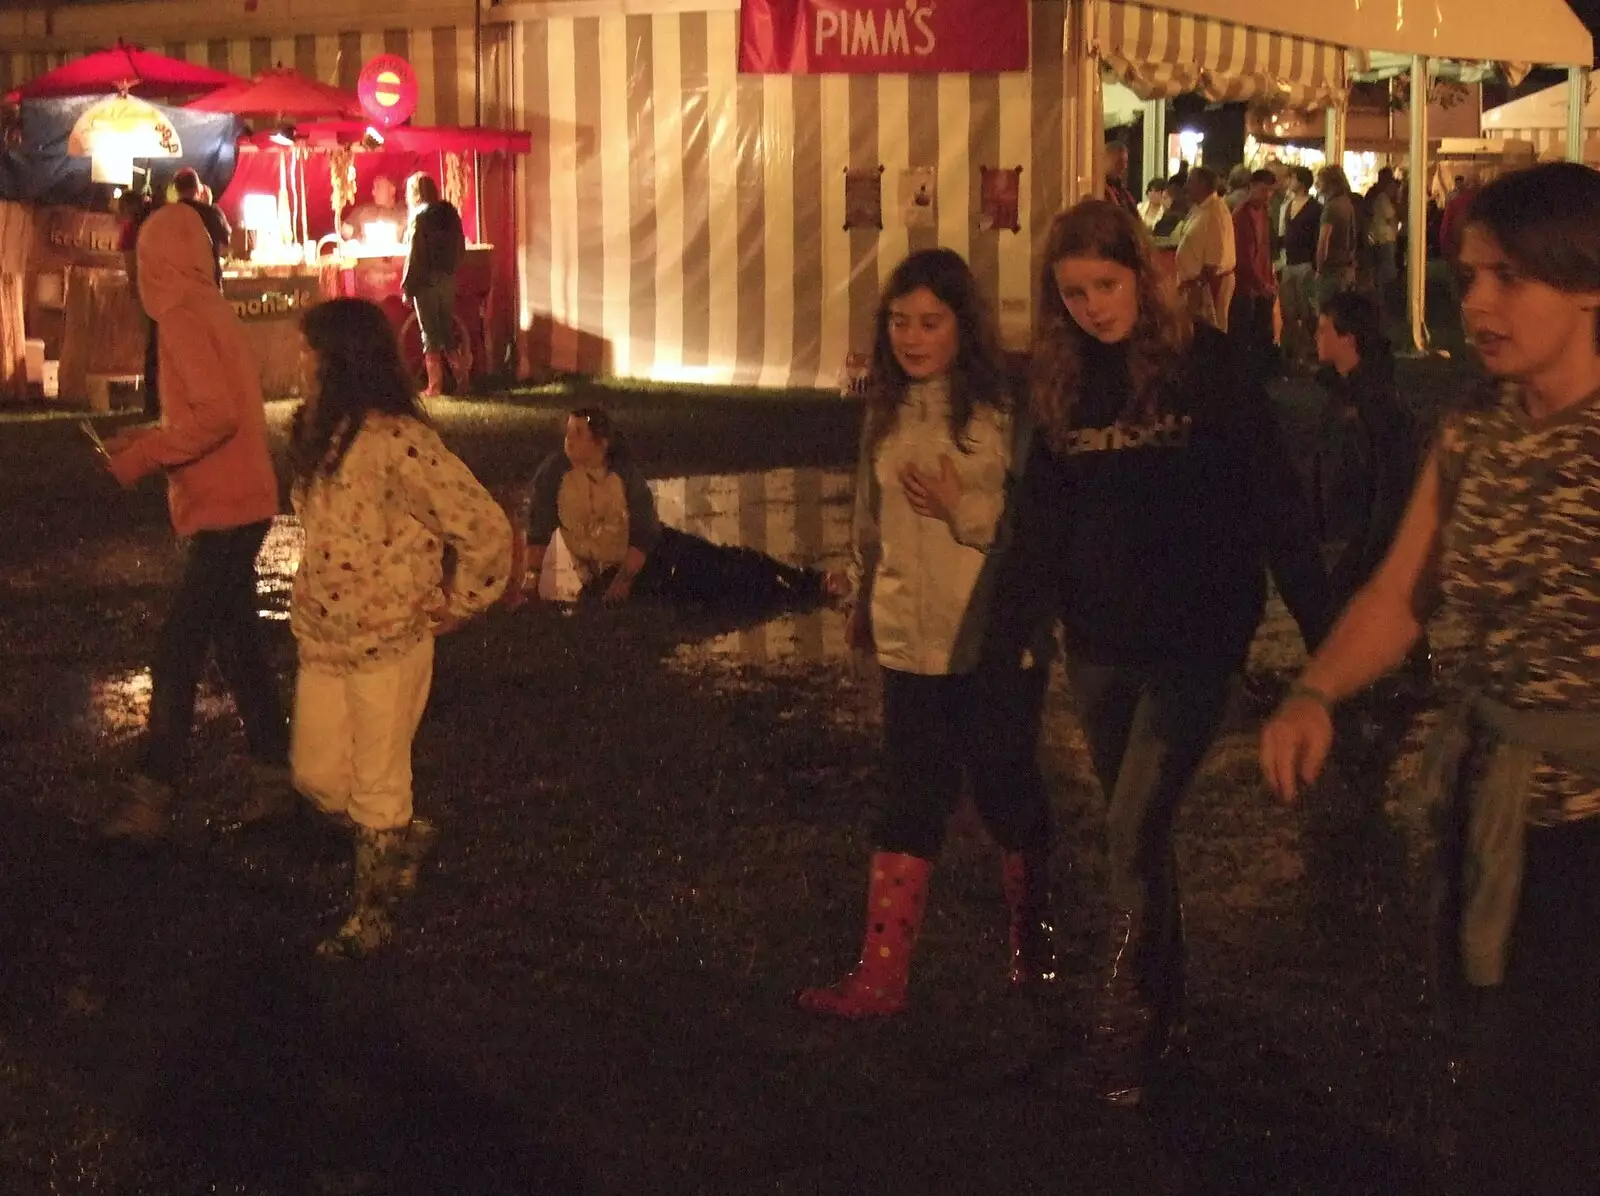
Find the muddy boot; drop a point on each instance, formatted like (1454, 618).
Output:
(1122, 1039)
(142, 813)
(1025, 876)
(271, 795)
(380, 863)
(420, 837)
(433, 363)
(897, 890)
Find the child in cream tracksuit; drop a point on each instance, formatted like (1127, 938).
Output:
(380, 499)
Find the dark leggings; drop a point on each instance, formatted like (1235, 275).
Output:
(1532, 1046)
(686, 568)
(215, 606)
(984, 725)
(1149, 729)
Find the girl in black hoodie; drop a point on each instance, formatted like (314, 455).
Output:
(1155, 497)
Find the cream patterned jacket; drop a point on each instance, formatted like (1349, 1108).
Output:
(372, 572)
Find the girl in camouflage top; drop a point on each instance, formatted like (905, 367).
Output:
(1501, 543)
(380, 498)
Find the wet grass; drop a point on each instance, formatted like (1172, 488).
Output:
(646, 850)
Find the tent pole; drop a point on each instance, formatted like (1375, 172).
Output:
(1577, 95)
(1333, 134)
(1155, 140)
(1417, 207)
(1083, 118)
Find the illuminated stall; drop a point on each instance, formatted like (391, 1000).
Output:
(297, 184)
(79, 149)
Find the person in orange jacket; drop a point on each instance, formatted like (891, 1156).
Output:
(212, 445)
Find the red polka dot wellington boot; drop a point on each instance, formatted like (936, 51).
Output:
(897, 890)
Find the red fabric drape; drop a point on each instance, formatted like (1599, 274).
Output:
(258, 172)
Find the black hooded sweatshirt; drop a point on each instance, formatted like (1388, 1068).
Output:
(1151, 542)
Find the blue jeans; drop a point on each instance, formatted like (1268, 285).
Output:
(215, 605)
(435, 301)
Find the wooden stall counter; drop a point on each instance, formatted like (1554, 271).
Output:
(269, 300)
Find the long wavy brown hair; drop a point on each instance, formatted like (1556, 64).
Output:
(1095, 228)
(978, 373)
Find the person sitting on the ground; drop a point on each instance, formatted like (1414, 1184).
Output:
(590, 495)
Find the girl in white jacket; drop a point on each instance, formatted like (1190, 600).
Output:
(930, 495)
(380, 498)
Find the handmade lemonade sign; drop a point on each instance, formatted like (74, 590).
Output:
(816, 37)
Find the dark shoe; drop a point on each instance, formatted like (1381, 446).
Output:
(1122, 1042)
(897, 891)
(141, 816)
(1025, 877)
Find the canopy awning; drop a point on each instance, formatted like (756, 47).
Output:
(1546, 109)
(123, 68)
(333, 134)
(1159, 53)
(1542, 32)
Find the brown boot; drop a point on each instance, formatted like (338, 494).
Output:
(1122, 1039)
(433, 363)
(897, 891)
(1025, 876)
(142, 813)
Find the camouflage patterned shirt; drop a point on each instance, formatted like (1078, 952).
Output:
(1519, 572)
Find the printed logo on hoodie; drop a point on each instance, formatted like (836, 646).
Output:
(1169, 433)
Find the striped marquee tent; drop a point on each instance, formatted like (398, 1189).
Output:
(1159, 54)
(682, 221)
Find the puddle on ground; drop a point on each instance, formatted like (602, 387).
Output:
(799, 516)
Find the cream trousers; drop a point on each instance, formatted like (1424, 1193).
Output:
(350, 746)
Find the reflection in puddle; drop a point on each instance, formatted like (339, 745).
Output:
(119, 704)
(801, 516)
(276, 564)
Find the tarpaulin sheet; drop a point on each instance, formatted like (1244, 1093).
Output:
(41, 171)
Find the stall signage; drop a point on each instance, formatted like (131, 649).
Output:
(816, 37)
(70, 236)
(274, 305)
(387, 88)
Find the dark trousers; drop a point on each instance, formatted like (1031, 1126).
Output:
(983, 726)
(152, 382)
(1532, 1046)
(684, 567)
(1149, 730)
(215, 606)
(1250, 324)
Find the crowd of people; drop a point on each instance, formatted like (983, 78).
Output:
(1259, 248)
(1134, 497)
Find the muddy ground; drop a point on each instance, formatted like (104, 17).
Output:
(655, 824)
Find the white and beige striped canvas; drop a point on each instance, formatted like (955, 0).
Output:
(687, 222)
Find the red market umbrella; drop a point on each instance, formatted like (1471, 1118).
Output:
(281, 92)
(126, 69)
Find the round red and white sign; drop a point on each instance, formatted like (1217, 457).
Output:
(387, 88)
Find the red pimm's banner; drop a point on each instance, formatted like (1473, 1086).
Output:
(880, 37)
